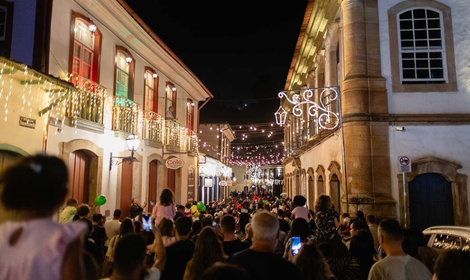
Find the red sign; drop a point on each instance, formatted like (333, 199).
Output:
(174, 163)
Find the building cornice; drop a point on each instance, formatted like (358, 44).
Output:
(121, 20)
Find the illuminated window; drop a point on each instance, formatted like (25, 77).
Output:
(151, 90)
(190, 115)
(170, 101)
(86, 41)
(124, 73)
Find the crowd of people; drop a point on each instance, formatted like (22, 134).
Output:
(247, 236)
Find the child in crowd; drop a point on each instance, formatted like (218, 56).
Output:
(166, 229)
(69, 211)
(165, 207)
(187, 210)
(299, 210)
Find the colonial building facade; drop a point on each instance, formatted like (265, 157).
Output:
(99, 75)
(400, 73)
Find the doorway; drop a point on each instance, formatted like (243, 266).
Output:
(126, 188)
(153, 181)
(191, 184)
(79, 172)
(311, 193)
(171, 179)
(335, 192)
(320, 185)
(430, 201)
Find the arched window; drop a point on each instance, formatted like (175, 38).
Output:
(85, 47)
(190, 115)
(124, 75)
(170, 101)
(151, 90)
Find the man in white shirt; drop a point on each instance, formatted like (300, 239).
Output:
(397, 264)
(113, 226)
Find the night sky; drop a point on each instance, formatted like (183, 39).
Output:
(241, 50)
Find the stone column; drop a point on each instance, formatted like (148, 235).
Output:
(364, 99)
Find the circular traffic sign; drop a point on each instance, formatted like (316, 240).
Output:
(404, 161)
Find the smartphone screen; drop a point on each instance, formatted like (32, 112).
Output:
(214, 224)
(296, 245)
(152, 203)
(146, 222)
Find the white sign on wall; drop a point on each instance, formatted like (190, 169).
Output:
(404, 164)
(174, 163)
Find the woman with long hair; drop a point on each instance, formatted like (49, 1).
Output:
(33, 245)
(165, 207)
(325, 218)
(208, 251)
(127, 226)
(310, 260)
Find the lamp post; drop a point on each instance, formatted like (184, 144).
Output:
(133, 143)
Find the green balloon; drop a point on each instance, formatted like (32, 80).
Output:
(203, 209)
(100, 200)
(200, 204)
(265, 201)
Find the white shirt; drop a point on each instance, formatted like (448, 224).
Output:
(399, 268)
(112, 228)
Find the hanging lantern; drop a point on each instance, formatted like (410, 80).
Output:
(281, 116)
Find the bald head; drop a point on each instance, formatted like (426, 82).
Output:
(265, 226)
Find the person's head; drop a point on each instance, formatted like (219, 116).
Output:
(360, 215)
(371, 219)
(265, 227)
(117, 214)
(299, 200)
(300, 228)
(129, 256)
(171, 109)
(280, 213)
(188, 205)
(412, 239)
(452, 265)
(180, 209)
(36, 186)
(225, 271)
(72, 202)
(97, 218)
(135, 201)
(166, 227)
(311, 262)
(323, 203)
(83, 211)
(390, 234)
(207, 221)
(208, 250)
(357, 226)
(249, 231)
(166, 197)
(183, 226)
(127, 226)
(228, 224)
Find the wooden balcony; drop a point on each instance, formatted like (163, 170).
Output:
(86, 105)
(153, 129)
(125, 116)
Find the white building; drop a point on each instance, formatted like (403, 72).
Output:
(402, 71)
(123, 80)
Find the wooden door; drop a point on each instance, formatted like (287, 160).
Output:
(430, 201)
(171, 179)
(126, 188)
(79, 172)
(335, 192)
(153, 176)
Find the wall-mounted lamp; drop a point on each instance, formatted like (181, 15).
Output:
(133, 143)
(154, 75)
(92, 27)
(173, 88)
(129, 59)
(192, 104)
(281, 116)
